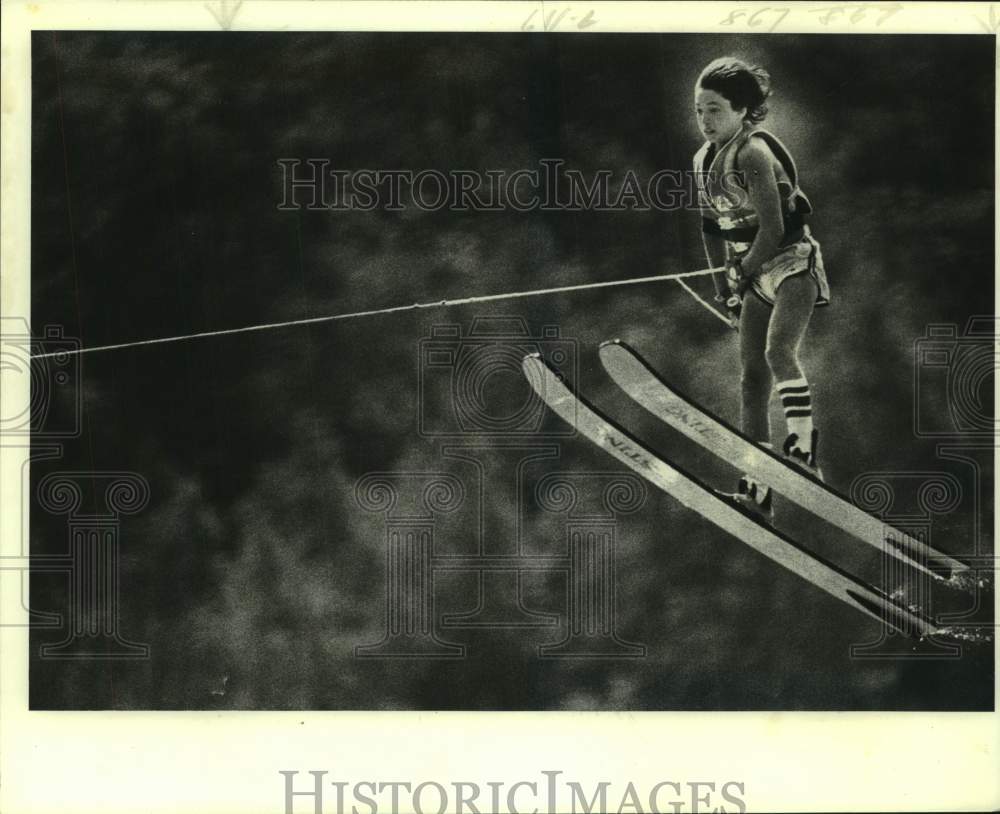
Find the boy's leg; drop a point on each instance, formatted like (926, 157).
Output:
(755, 376)
(755, 388)
(793, 307)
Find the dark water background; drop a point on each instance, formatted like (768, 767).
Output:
(254, 573)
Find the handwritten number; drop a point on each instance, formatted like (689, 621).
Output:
(550, 25)
(888, 12)
(755, 20)
(553, 19)
(859, 13)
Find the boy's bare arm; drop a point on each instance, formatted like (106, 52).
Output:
(715, 251)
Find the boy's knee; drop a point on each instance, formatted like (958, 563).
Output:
(755, 376)
(781, 361)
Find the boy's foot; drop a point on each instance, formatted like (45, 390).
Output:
(754, 497)
(804, 459)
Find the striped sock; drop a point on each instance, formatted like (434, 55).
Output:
(797, 403)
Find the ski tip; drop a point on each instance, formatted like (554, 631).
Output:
(533, 367)
(618, 343)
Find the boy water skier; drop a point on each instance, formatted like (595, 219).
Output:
(753, 222)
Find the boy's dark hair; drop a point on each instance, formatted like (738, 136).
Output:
(743, 85)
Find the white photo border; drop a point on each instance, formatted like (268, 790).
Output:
(210, 762)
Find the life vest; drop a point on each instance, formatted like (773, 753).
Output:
(726, 207)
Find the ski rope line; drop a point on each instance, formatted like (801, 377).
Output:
(715, 311)
(395, 309)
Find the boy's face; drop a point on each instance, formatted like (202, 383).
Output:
(717, 120)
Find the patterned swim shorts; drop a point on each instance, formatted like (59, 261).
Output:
(801, 257)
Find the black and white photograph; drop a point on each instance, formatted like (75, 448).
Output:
(547, 369)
